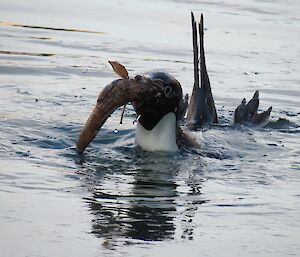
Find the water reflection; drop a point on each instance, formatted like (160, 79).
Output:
(138, 197)
(152, 210)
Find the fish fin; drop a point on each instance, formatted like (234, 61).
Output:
(119, 69)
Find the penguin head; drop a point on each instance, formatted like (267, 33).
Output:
(151, 109)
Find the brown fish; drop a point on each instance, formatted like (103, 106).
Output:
(114, 95)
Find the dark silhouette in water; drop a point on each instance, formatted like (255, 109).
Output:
(147, 209)
(247, 113)
(201, 110)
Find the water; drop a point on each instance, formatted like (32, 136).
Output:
(239, 194)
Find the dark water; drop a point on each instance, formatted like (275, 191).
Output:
(239, 195)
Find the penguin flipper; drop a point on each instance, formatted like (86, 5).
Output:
(202, 110)
(247, 113)
(192, 116)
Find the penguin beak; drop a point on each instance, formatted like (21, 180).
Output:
(114, 95)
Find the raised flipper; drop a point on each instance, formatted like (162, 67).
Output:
(262, 119)
(247, 113)
(192, 108)
(201, 110)
(240, 112)
(251, 107)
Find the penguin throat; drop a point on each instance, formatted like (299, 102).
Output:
(150, 119)
(162, 137)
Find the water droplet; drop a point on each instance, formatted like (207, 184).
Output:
(136, 120)
(116, 131)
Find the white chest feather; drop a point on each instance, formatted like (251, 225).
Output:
(161, 138)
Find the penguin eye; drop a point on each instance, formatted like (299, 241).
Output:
(168, 91)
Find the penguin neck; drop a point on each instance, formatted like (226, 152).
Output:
(162, 137)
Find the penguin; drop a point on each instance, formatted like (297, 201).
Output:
(158, 101)
(156, 128)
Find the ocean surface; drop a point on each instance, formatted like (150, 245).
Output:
(238, 196)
